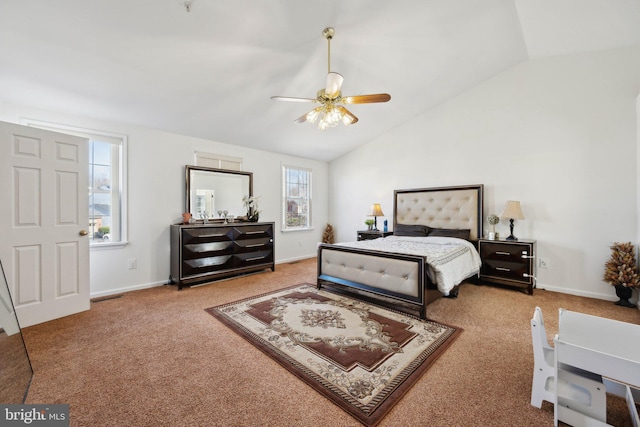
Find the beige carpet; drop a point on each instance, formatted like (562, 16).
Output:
(155, 358)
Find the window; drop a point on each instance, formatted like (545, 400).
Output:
(105, 209)
(296, 198)
(107, 189)
(210, 160)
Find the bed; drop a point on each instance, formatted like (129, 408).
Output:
(434, 244)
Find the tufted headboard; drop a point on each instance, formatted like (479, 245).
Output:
(442, 207)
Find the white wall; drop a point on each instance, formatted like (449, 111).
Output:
(636, 292)
(558, 134)
(156, 198)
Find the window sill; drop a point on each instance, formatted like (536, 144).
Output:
(107, 246)
(293, 230)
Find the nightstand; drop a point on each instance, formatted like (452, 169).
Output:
(373, 234)
(508, 262)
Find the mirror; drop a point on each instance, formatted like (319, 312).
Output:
(212, 190)
(15, 366)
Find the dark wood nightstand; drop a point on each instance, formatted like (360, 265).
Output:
(508, 262)
(373, 234)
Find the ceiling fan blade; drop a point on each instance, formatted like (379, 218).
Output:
(292, 99)
(366, 99)
(350, 118)
(334, 83)
(302, 118)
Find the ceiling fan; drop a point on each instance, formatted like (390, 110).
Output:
(332, 110)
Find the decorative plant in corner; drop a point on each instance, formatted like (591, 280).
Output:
(621, 271)
(327, 236)
(251, 204)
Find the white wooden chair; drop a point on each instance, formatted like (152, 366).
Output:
(579, 390)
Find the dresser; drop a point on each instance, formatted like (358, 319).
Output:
(205, 252)
(508, 262)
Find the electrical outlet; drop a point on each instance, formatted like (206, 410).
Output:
(543, 263)
(133, 264)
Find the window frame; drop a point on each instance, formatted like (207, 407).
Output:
(218, 161)
(121, 173)
(308, 198)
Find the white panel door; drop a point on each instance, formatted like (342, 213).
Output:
(44, 216)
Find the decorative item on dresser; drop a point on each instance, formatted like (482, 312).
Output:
(508, 262)
(251, 203)
(493, 219)
(202, 253)
(372, 234)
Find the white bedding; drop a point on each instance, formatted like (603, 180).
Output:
(449, 260)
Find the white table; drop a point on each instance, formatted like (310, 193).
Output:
(603, 346)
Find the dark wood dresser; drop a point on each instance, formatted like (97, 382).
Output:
(206, 252)
(508, 262)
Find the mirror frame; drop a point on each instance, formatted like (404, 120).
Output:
(16, 371)
(189, 169)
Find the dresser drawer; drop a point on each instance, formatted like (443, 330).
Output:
(206, 265)
(253, 245)
(205, 234)
(252, 232)
(505, 251)
(505, 269)
(248, 259)
(202, 250)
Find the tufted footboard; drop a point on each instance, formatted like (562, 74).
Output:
(396, 280)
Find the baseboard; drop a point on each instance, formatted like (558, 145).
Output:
(300, 258)
(126, 289)
(164, 282)
(577, 292)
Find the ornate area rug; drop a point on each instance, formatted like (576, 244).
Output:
(361, 356)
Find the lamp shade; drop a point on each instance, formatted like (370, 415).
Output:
(376, 210)
(512, 210)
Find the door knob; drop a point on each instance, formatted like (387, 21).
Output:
(83, 232)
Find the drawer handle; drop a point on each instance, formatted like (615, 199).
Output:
(528, 275)
(210, 235)
(253, 232)
(255, 258)
(502, 253)
(254, 246)
(503, 269)
(527, 256)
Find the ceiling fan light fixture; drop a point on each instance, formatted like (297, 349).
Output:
(327, 116)
(331, 112)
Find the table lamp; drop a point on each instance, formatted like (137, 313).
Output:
(376, 211)
(512, 211)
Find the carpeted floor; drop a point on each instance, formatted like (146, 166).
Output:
(156, 358)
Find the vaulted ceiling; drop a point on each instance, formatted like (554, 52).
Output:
(210, 72)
